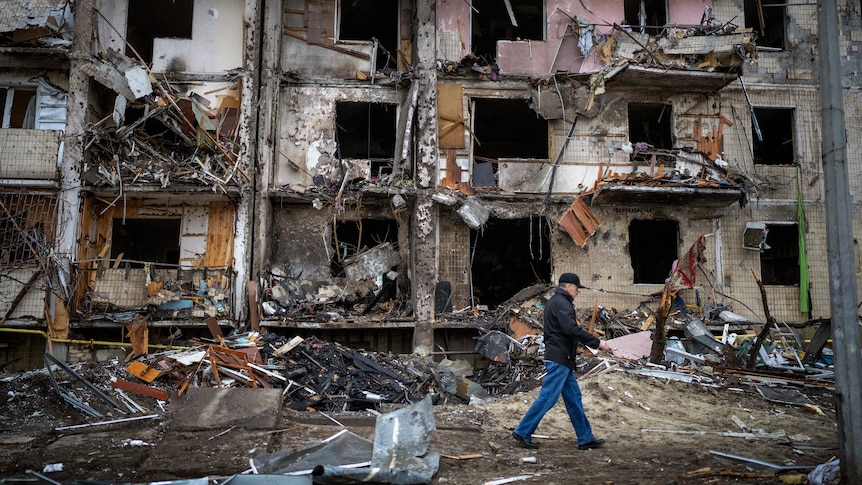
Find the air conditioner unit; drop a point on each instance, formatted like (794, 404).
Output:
(754, 236)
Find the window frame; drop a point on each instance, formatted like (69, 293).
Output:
(756, 124)
(636, 273)
(751, 5)
(543, 29)
(770, 229)
(8, 103)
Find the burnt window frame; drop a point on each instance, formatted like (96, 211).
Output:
(529, 33)
(138, 262)
(765, 119)
(773, 10)
(388, 41)
(343, 249)
(540, 130)
(382, 162)
(645, 246)
(784, 237)
(651, 27)
(487, 245)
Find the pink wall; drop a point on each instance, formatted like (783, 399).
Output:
(535, 58)
(687, 12)
(448, 13)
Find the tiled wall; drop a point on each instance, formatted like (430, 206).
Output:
(454, 257)
(604, 264)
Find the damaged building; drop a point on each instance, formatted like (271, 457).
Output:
(388, 173)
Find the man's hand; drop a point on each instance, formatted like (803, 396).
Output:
(604, 345)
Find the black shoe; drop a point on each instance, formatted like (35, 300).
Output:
(596, 443)
(525, 442)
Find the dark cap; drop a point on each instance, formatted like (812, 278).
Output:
(571, 278)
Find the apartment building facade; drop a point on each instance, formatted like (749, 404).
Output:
(382, 172)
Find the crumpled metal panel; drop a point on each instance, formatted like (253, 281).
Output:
(341, 449)
(398, 455)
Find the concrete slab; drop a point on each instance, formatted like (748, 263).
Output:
(206, 408)
(206, 453)
(123, 448)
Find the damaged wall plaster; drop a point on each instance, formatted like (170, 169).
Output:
(300, 244)
(216, 44)
(307, 144)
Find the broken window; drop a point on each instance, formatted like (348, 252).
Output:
(653, 249)
(649, 129)
(509, 255)
(495, 20)
(766, 17)
(151, 19)
(146, 240)
(779, 260)
(774, 145)
(18, 107)
(372, 20)
(355, 237)
(646, 16)
(505, 129)
(26, 228)
(366, 131)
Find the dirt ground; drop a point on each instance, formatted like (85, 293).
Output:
(658, 431)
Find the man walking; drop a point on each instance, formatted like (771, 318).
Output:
(562, 335)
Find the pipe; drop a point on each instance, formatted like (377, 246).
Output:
(83, 342)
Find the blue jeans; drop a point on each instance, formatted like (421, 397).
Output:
(559, 379)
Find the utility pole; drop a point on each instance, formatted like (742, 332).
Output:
(839, 246)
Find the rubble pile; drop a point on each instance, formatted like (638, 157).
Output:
(159, 134)
(318, 375)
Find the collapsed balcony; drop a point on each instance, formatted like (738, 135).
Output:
(703, 58)
(36, 34)
(159, 135)
(680, 177)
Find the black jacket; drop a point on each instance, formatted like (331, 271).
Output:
(562, 333)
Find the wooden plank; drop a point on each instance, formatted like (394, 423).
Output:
(593, 317)
(141, 389)
(583, 215)
(292, 343)
(220, 234)
(586, 210)
(647, 323)
(138, 335)
(573, 228)
(453, 173)
(214, 329)
(450, 106)
(464, 457)
(143, 371)
(343, 50)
